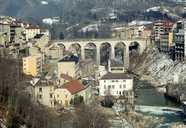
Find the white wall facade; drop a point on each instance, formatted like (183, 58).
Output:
(31, 33)
(114, 87)
(45, 95)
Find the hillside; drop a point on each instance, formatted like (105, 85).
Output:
(76, 10)
(158, 68)
(27, 8)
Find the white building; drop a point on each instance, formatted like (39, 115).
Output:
(54, 51)
(31, 32)
(42, 91)
(115, 84)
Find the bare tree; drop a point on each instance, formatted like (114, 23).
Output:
(21, 110)
(90, 117)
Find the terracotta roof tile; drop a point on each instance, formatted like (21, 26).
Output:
(74, 86)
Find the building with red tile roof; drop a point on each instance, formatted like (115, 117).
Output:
(74, 87)
(70, 91)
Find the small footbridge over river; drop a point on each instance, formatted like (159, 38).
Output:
(157, 110)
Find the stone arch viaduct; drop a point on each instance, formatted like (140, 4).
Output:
(142, 44)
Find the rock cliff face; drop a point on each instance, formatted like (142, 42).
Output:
(158, 68)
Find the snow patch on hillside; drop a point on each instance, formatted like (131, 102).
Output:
(44, 2)
(91, 27)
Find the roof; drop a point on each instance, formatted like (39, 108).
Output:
(116, 76)
(70, 59)
(32, 27)
(74, 87)
(165, 23)
(4, 24)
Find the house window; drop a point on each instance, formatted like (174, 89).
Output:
(124, 86)
(120, 86)
(40, 89)
(40, 96)
(113, 86)
(50, 95)
(104, 86)
(120, 92)
(112, 80)
(123, 92)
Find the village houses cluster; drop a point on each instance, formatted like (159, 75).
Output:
(62, 78)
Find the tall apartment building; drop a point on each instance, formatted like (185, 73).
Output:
(32, 65)
(165, 42)
(180, 40)
(162, 32)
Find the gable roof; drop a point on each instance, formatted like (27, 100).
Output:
(74, 86)
(116, 76)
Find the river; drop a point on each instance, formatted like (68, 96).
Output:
(151, 97)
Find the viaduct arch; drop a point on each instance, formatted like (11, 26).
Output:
(97, 43)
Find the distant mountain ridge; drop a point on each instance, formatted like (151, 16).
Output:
(27, 8)
(74, 9)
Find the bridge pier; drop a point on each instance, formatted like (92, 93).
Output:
(98, 55)
(83, 53)
(112, 52)
(126, 57)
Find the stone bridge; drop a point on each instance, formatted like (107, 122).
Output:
(98, 43)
